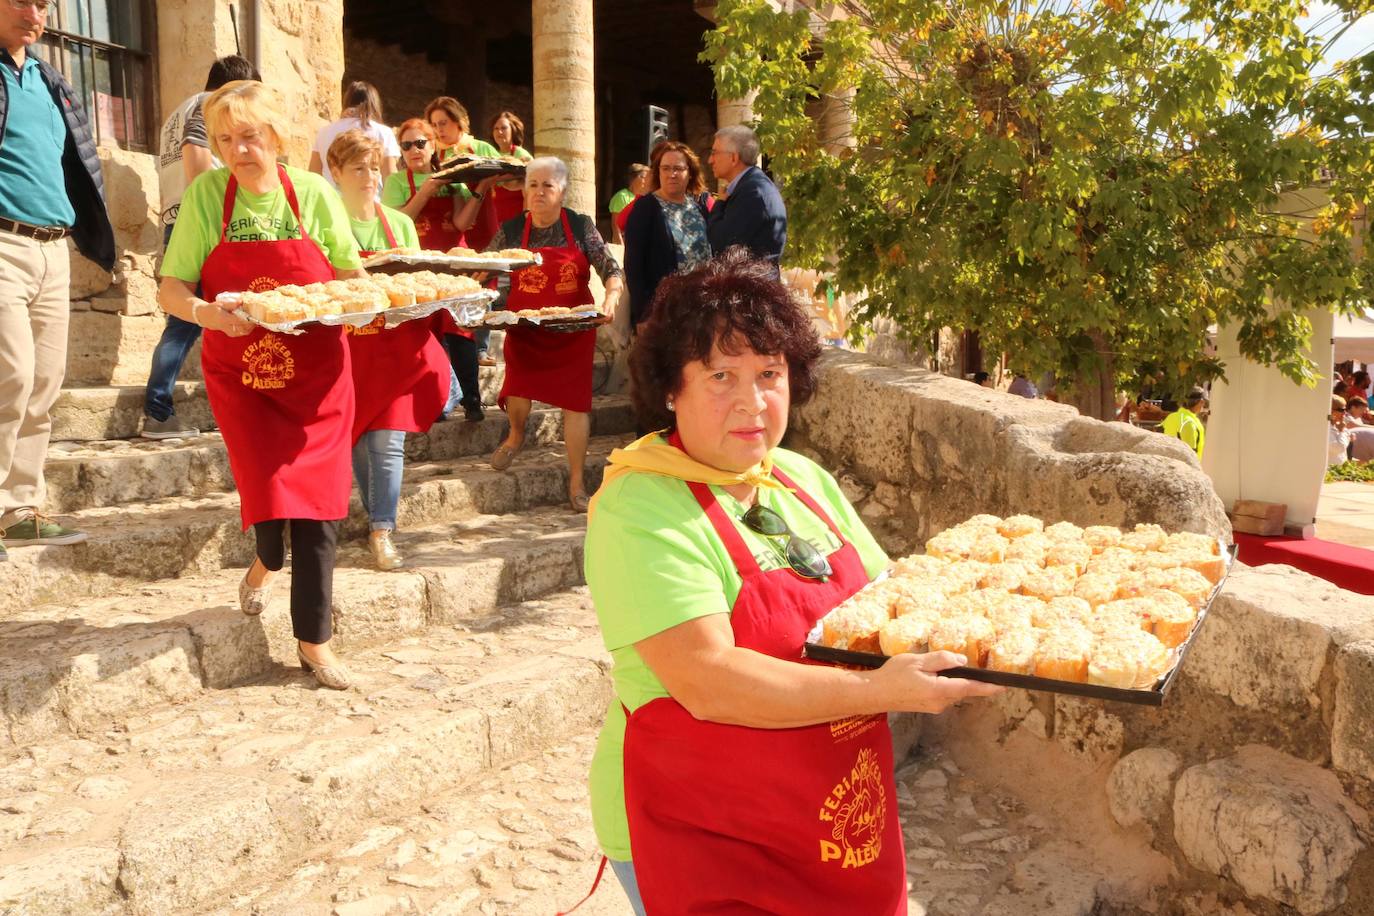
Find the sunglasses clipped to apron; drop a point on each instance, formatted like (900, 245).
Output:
(801, 555)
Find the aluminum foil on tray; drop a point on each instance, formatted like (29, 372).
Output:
(403, 263)
(468, 311)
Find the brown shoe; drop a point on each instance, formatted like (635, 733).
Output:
(503, 456)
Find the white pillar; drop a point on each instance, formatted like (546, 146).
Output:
(564, 94)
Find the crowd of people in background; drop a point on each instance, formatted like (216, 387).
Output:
(1350, 432)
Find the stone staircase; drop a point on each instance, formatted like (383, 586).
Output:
(160, 751)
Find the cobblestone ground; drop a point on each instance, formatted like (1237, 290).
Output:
(521, 842)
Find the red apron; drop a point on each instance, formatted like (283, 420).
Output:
(501, 204)
(400, 376)
(284, 402)
(731, 819)
(554, 367)
(434, 224)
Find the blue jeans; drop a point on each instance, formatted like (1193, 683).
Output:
(378, 462)
(625, 873)
(177, 339)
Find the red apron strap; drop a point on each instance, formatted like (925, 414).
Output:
(386, 227)
(231, 193)
(525, 237)
(410, 177)
(807, 501)
(596, 882)
(568, 240)
(739, 552)
(291, 200)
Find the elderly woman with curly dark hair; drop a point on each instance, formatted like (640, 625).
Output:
(743, 779)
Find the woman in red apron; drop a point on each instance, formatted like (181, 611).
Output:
(441, 213)
(283, 402)
(552, 366)
(400, 375)
(732, 776)
(503, 203)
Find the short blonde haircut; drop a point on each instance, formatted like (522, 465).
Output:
(245, 102)
(353, 144)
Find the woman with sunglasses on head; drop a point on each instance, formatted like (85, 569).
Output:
(710, 554)
(442, 212)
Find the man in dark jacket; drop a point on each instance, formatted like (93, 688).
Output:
(751, 212)
(50, 188)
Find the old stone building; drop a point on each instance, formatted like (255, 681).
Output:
(579, 73)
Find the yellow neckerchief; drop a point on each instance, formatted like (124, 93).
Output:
(652, 455)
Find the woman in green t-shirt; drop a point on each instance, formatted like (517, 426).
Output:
(710, 555)
(451, 122)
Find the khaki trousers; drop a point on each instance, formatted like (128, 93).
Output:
(34, 309)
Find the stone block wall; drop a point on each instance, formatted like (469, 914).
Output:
(406, 82)
(1249, 792)
(920, 451)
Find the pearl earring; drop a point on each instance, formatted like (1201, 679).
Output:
(670, 404)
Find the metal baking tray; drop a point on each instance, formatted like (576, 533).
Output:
(576, 321)
(467, 311)
(407, 263)
(1142, 696)
(476, 168)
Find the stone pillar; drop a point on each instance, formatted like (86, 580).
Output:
(564, 93)
(730, 112)
(836, 127)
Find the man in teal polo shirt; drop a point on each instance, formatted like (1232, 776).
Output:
(50, 187)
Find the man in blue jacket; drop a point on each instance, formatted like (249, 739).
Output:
(50, 188)
(751, 213)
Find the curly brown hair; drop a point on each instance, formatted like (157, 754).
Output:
(733, 300)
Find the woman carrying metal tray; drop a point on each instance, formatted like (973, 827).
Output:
(551, 366)
(284, 403)
(400, 374)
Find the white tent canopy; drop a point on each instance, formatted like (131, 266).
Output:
(1354, 338)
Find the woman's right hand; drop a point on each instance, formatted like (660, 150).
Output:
(909, 683)
(431, 186)
(219, 316)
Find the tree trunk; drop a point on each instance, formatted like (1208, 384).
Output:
(1094, 393)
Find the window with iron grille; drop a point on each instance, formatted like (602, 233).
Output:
(101, 47)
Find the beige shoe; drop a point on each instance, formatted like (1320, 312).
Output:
(502, 457)
(253, 601)
(384, 550)
(335, 677)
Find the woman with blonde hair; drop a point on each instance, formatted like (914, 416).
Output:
(362, 110)
(283, 402)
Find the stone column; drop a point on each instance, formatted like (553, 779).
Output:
(730, 112)
(564, 93)
(836, 127)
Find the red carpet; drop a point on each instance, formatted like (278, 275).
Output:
(1351, 568)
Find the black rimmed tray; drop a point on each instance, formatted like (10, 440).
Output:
(466, 170)
(1141, 696)
(583, 321)
(445, 263)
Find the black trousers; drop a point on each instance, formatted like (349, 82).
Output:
(462, 355)
(313, 547)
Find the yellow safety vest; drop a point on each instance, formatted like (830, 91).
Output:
(1184, 424)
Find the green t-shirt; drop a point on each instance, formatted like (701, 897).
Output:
(396, 188)
(470, 146)
(257, 217)
(653, 561)
(371, 237)
(621, 200)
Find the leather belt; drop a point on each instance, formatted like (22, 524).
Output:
(38, 233)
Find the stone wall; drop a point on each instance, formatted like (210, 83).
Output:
(920, 452)
(303, 57)
(406, 81)
(1249, 792)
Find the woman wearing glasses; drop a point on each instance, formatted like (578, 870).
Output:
(442, 213)
(743, 779)
(666, 230)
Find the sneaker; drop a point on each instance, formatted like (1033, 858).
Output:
(473, 414)
(39, 529)
(384, 550)
(170, 428)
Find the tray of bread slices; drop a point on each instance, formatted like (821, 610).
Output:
(466, 260)
(358, 301)
(551, 318)
(1096, 611)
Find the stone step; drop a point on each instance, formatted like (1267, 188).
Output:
(80, 667)
(185, 537)
(516, 841)
(115, 472)
(116, 411)
(188, 804)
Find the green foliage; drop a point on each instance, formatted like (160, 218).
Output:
(1351, 470)
(1091, 185)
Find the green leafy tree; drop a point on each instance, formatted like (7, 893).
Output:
(1090, 185)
